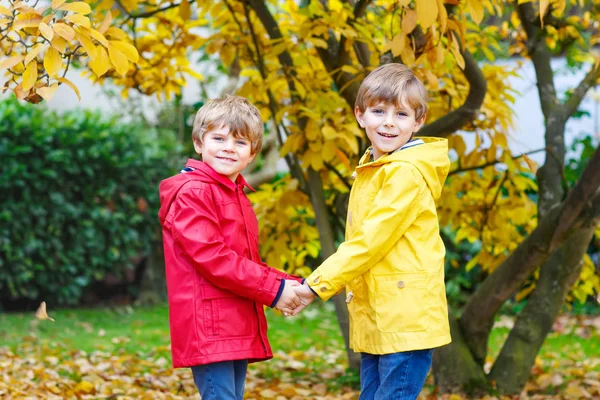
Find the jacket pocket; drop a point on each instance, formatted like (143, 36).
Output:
(227, 315)
(401, 302)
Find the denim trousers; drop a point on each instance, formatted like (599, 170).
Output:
(396, 376)
(221, 380)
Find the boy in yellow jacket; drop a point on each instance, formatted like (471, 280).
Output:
(392, 262)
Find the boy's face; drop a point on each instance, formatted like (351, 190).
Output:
(224, 153)
(388, 127)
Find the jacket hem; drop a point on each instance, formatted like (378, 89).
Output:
(228, 356)
(429, 343)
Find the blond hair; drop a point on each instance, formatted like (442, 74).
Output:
(238, 114)
(393, 83)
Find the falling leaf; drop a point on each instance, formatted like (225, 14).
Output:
(41, 312)
(530, 163)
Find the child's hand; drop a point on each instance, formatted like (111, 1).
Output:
(288, 301)
(305, 295)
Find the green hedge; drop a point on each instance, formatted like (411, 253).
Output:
(78, 199)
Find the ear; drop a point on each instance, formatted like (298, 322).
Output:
(359, 117)
(419, 123)
(197, 146)
(252, 156)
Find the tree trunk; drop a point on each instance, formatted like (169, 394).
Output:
(455, 369)
(327, 240)
(513, 365)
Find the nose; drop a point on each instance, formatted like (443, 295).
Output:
(389, 120)
(228, 145)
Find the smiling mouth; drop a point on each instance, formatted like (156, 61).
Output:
(386, 135)
(226, 159)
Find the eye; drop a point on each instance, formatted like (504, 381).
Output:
(218, 138)
(242, 142)
(377, 111)
(402, 114)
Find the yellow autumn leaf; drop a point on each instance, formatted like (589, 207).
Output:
(46, 31)
(118, 59)
(71, 85)
(101, 63)
(115, 33)
(398, 44)
(64, 31)
(59, 44)
(41, 312)
(442, 16)
(530, 163)
(184, 10)
(5, 11)
(105, 23)
(455, 50)
(130, 52)
(87, 44)
(30, 76)
(427, 11)
(99, 37)
(476, 10)
(543, 8)
(78, 7)
(52, 61)
(47, 92)
(78, 19)
(27, 21)
(11, 62)
(408, 56)
(34, 52)
(409, 21)
(57, 3)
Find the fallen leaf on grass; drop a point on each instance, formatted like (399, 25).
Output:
(41, 312)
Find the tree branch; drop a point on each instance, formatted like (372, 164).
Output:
(590, 80)
(467, 112)
(459, 170)
(581, 208)
(540, 56)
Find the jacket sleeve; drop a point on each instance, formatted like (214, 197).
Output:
(197, 232)
(394, 210)
(283, 275)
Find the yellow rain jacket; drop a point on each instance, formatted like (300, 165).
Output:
(392, 262)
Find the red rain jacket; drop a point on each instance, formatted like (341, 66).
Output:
(217, 284)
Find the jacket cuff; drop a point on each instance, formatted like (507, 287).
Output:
(281, 286)
(321, 286)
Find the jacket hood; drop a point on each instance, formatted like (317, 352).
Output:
(199, 172)
(430, 158)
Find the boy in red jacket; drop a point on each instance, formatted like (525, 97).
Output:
(216, 281)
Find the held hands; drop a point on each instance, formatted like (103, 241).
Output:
(289, 300)
(294, 298)
(306, 296)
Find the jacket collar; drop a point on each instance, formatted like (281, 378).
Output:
(222, 179)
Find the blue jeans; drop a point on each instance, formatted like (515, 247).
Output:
(396, 376)
(221, 380)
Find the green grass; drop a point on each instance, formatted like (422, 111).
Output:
(125, 329)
